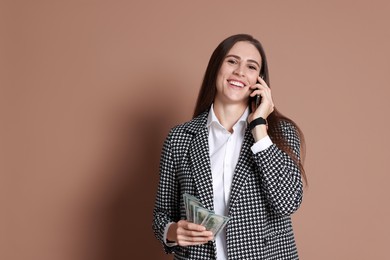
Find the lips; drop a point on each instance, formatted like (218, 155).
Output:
(236, 83)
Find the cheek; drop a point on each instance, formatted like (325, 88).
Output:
(253, 80)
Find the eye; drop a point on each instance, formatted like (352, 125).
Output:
(252, 66)
(232, 61)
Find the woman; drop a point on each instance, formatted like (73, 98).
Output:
(240, 160)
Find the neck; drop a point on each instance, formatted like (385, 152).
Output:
(228, 114)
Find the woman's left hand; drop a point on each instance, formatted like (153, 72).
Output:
(266, 106)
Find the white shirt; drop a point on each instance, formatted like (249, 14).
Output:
(225, 148)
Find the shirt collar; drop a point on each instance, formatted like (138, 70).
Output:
(212, 118)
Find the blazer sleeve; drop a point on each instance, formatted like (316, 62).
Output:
(280, 175)
(167, 202)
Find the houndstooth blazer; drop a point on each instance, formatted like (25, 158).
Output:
(266, 190)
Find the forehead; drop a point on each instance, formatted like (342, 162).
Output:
(246, 51)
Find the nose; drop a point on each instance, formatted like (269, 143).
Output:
(239, 70)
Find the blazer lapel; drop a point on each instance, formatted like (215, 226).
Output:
(243, 169)
(201, 166)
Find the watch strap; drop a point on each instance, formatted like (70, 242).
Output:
(256, 122)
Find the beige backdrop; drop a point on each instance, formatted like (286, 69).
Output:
(90, 89)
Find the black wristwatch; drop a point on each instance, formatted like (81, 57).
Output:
(256, 122)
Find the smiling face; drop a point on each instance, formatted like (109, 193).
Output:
(239, 70)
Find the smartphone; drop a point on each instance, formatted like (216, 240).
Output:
(257, 99)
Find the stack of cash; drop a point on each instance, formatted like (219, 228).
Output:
(197, 214)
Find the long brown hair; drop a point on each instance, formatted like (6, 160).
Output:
(275, 119)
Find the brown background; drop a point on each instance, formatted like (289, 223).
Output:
(89, 90)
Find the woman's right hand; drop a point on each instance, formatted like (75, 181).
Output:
(185, 233)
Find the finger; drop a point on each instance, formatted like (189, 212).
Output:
(189, 243)
(189, 225)
(262, 81)
(195, 227)
(185, 241)
(190, 229)
(255, 86)
(193, 233)
(260, 86)
(260, 92)
(265, 92)
(190, 240)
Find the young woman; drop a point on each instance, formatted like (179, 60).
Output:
(240, 160)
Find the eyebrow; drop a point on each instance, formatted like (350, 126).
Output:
(239, 58)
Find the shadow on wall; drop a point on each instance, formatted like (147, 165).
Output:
(127, 222)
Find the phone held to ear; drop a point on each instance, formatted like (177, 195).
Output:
(257, 101)
(257, 98)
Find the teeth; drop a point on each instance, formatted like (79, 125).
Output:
(236, 83)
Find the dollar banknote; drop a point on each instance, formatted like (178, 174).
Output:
(198, 214)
